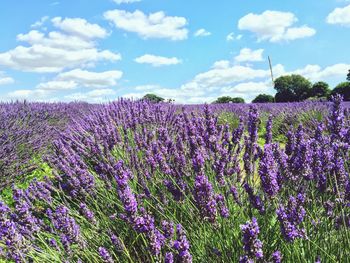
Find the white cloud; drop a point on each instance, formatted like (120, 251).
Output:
(57, 85)
(4, 80)
(206, 86)
(154, 25)
(57, 51)
(274, 26)
(248, 90)
(146, 87)
(231, 37)
(218, 77)
(55, 39)
(340, 16)
(79, 27)
(79, 78)
(226, 79)
(125, 1)
(202, 33)
(91, 79)
(157, 61)
(95, 96)
(316, 72)
(246, 54)
(40, 22)
(221, 64)
(28, 94)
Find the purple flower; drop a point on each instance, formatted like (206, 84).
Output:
(268, 135)
(182, 246)
(104, 254)
(157, 241)
(255, 200)
(15, 245)
(169, 257)
(252, 246)
(290, 217)
(235, 194)
(69, 230)
(116, 241)
(277, 257)
(204, 197)
(268, 172)
(168, 229)
(89, 215)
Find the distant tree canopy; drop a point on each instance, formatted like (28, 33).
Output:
(348, 76)
(153, 98)
(292, 88)
(342, 89)
(228, 99)
(263, 98)
(319, 90)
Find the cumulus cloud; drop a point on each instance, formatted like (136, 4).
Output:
(157, 61)
(316, 72)
(79, 78)
(57, 85)
(4, 80)
(248, 90)
(40, 22)
(221, 64)
(95, 96)
(275, 26)
(125, 1)
(154, 25)
(227, 79)
(57, 51)
(91, 79)
(202, 33)
(206, 86)
(340, 15)
(246, 54)
(231, 37)
(27, 94)
(79, 27)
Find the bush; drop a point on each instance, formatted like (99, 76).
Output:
(263, 98)
(228, 99)
(342, 89)
(292, 88)
(153, 98)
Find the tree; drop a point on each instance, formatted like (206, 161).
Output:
(228, 99)
(348, 76)
(237, 100)
(224, 99)
(153, 98)
(342, 89)
(319, 89)
(292, 88)
(263, 98)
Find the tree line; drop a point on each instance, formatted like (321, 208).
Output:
(289, 88)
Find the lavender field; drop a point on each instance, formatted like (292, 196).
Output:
(134, 181)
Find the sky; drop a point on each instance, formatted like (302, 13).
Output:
(192, 51)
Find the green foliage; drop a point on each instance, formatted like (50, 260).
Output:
(319, 90)
(228, 99)
(43, 170)
(342, 89)
(263, 98)
(348, 76)
(153, 98)
(292, 88)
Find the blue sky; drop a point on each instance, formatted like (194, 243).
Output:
(191, 51)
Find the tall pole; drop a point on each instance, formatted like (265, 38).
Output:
(271, 69)
(273, 81)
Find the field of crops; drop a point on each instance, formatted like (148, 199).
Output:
(134, 181)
